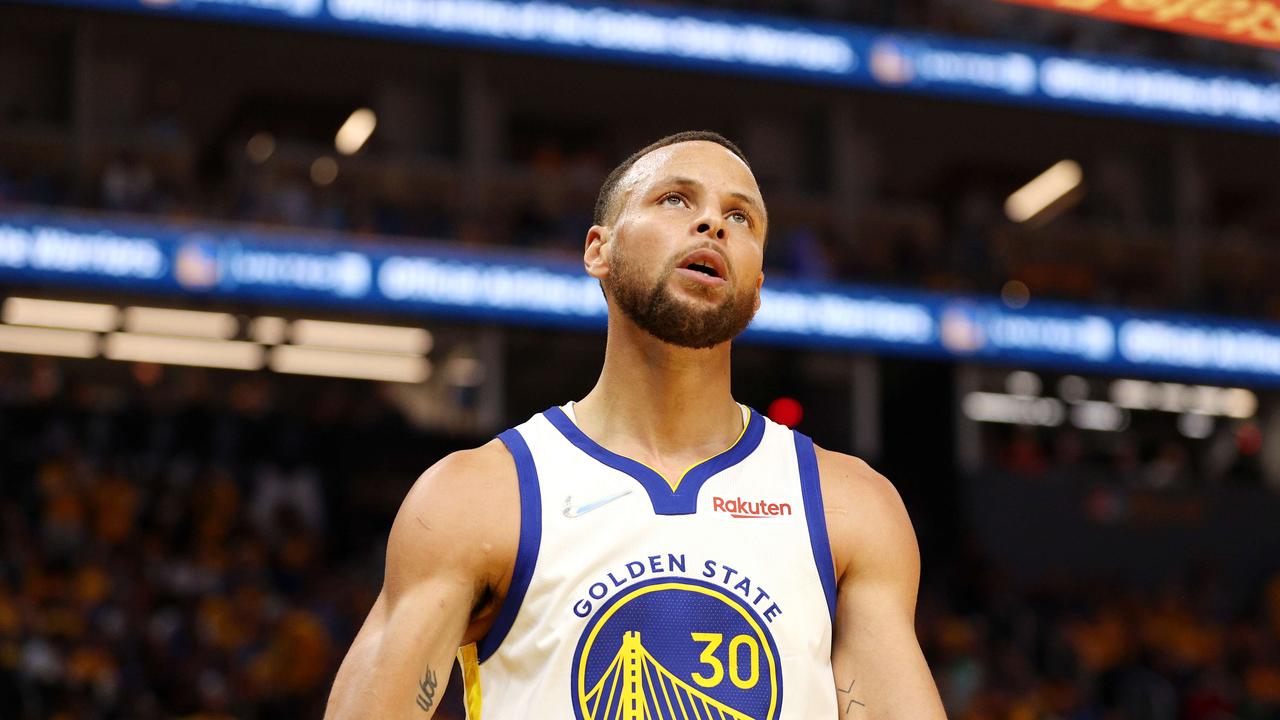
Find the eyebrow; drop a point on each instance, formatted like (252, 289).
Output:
(687, 181)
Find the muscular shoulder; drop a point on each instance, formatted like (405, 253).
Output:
(462, 518)
(866, 520)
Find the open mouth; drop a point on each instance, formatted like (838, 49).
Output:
(704, 269)
(705, 264)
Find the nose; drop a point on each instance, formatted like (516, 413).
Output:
(711, 228)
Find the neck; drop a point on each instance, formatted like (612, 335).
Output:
(659, 398)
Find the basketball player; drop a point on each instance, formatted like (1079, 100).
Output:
(656, 549)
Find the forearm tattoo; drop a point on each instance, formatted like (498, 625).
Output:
(427, 691)
(846, 700)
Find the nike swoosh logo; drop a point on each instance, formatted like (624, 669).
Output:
(572, 512)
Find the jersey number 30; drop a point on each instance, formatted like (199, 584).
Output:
(716, 676)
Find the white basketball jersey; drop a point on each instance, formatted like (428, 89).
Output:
(636, 600)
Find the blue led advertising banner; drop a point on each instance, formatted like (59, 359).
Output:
(822, 53)
(38, 249)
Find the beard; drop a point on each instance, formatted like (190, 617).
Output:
(658, 311)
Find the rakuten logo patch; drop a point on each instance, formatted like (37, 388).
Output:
(739, 508)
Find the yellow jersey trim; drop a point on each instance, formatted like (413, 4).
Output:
(470, 663)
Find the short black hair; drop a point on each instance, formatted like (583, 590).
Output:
(606, 201)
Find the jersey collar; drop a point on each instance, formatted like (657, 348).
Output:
(683, 498)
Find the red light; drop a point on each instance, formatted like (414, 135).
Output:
(786, 411)
(1249, 439)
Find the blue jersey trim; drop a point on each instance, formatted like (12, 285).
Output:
(530, 541)
(682, 501)
(816, 517)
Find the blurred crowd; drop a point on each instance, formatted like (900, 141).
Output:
(167, 551)
(1069, 650)
(170, 551)
(1160, 461)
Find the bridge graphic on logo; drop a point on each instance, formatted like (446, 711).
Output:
(637, 687)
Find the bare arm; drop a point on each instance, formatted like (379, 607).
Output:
(880, 671)
(449, 560)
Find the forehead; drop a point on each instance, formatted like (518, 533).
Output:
(710, 163)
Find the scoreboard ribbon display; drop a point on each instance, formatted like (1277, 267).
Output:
(1254, 22)
(698, 39)
(294, 269)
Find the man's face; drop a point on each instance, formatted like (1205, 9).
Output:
(685, 253)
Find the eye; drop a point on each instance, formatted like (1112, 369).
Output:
(668, 198)
(740, 217)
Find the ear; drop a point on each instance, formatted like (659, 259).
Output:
(759, 284)
(595, 257)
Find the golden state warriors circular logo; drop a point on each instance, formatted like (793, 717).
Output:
(676, 649)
